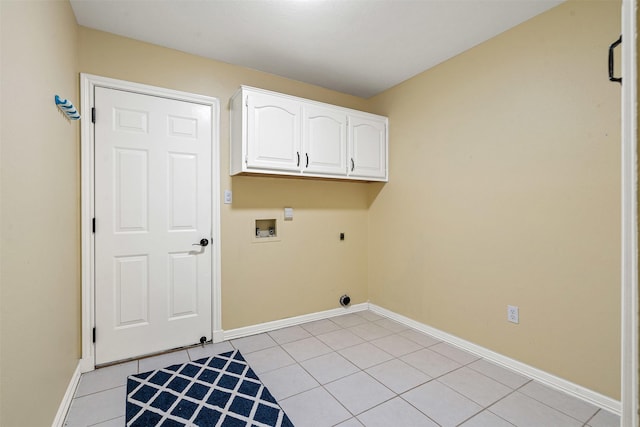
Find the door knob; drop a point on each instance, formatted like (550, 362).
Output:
(203, 243)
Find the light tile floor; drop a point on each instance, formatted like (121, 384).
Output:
(361, 369)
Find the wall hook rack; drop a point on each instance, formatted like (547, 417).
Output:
(67, 108)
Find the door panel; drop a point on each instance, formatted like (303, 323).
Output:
(131, 201)
(273, 133)
(132, 290)
(183, 201)
(183, 285)
(325, 138)
(152, 203)
(367, 148)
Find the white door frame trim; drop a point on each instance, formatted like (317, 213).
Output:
(629, 238)
(87, 84)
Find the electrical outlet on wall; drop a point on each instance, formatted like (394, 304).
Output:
(513, 314)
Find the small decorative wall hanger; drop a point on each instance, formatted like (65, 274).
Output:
(67, 108)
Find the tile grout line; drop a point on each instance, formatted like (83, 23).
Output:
(488, 407)
(99, 391)
(598, 409)
(592, 417)
(104, 421)
(416, 408)
(584, 423)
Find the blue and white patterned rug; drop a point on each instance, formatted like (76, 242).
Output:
(221, 391)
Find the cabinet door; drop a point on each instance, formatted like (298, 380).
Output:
(324, 141)
(367, 148)
(273, 133)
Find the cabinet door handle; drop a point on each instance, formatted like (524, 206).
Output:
(353, 165)
(298, 154)
(307, 154)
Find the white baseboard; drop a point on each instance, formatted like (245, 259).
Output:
(58, 421)
(291, 321)
(539, 375)
(218, 336)
(86, 365)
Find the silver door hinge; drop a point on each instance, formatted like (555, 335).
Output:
(93, 225)
(93, 114)
(94, 335)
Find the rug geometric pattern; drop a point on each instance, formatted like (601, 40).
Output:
(221, 391)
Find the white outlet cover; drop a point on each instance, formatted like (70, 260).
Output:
(228, 197)
(513, 314)
(288, 214)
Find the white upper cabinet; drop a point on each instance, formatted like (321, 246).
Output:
(279, 134)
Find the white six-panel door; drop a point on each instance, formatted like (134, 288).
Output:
(152, 204)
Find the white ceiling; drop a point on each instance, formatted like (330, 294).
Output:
(360, 47)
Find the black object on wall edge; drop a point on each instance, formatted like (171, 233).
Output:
(611, 49)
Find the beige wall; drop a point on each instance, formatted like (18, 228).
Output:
(39, 268)
(309, 268)
(504, 189)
